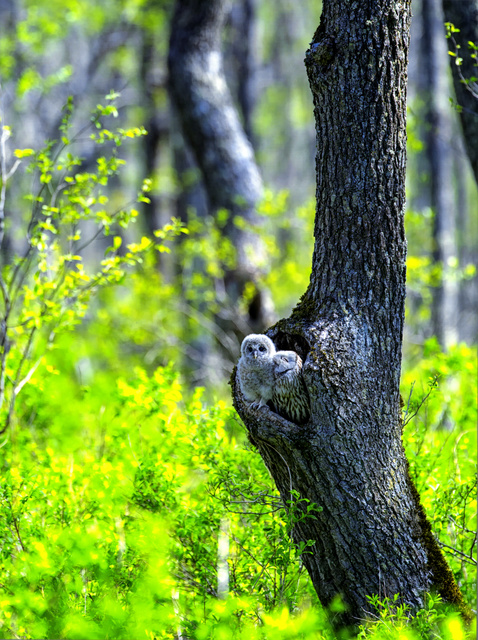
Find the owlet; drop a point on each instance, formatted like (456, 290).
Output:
(290, 397)
(255, 369)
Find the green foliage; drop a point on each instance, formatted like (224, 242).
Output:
(33, 42)
(47, 287)
(456, 52)
(390, 620)
(118, 495)
(424, 273)
(129, 514)
(289, 271)
(167, 314)
(440, 441)
(121, 487)
(121, 490)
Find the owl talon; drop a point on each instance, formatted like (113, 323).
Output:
(258, 404)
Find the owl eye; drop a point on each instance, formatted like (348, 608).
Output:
(262, 348)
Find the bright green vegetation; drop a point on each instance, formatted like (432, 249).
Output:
(121, 498)
(128, 496)
(132, 504)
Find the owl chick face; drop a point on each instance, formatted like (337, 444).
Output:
(290, 397)
(257, 347)
(285, 361)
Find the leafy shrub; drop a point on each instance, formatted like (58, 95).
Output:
(131, 516)
(113, 528)
(46, 287)
(440, 441)
(130, 506)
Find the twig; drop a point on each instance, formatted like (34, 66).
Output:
(473, 544)
(459, 553)
(452, 519)
(263, 567)
(27, 378)
(408, 402)
(25, 355)
(15, 524)
(407, 418)
(5, 175)
(211, 327)
(458, 67)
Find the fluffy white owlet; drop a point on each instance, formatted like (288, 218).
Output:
(290, 397)
(255, 369)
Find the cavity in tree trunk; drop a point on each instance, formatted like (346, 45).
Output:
(372, 536)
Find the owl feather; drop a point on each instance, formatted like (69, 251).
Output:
(290, 397)
(255, 369)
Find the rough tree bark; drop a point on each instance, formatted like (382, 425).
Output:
(212, 128)
(464, 15)
(372, 536)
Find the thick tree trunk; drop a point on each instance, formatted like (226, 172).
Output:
(372, 536)
(463, 14)
(466, 243)
(242, 58)
(211, 126)
(439, 137)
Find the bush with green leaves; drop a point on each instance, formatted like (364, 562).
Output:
(124, 505)
(440, 441)
(132, 513)
(132, 506)
(46, 286)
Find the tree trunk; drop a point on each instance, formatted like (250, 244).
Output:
(241, 53)
(463, 14)
(211, 126)
(157, 126)
(372, 536)
(439, 137)
(466, 243)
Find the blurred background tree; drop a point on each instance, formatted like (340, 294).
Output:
(50, 51)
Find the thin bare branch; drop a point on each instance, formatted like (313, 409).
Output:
(27, 378)
(406, 419)
(459, 554)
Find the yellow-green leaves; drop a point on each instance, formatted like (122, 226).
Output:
(74, 207)
(23, 153)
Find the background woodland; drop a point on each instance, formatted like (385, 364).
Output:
(132, 504)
